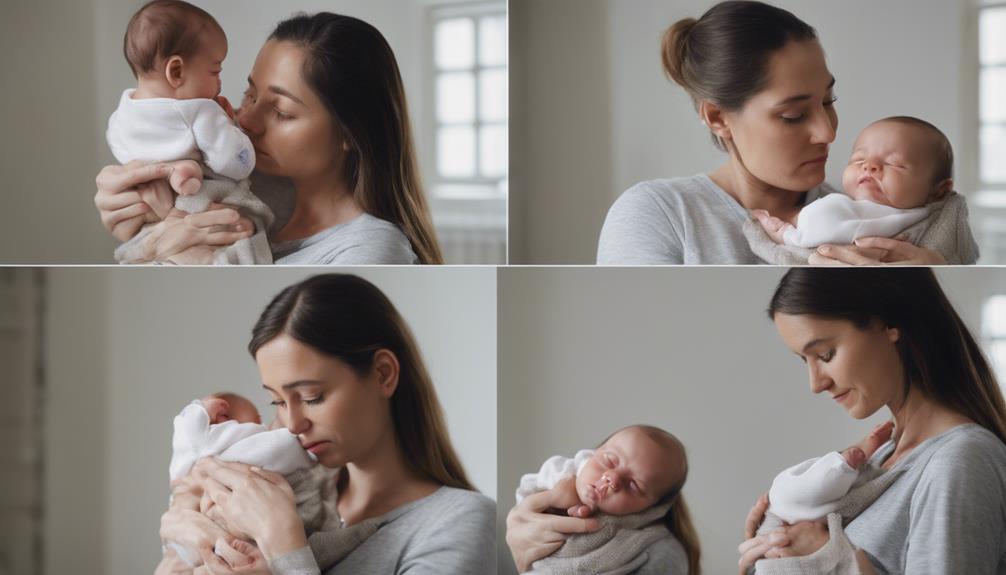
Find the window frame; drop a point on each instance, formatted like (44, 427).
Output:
(492, 188)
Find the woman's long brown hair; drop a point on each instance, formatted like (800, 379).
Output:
(348, 318)
(351, 67)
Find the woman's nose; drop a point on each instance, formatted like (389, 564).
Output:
(249, 120)
(296, 422)
(822, 127)
(819, 381)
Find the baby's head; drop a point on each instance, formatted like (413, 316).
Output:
(176, 49)
(635, 468)
(902, 162)
(223, 407)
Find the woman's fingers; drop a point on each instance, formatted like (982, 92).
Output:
(571, 525)
(850, 255)
(756, 548)
(898, 251)
(209, 218)
(755, 516)
(120, 178)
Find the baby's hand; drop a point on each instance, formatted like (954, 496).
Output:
(582, 511)
(774, 227)
(858, 454)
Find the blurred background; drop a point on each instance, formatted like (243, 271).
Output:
(97, 362)
(584, 352)
(593, 113)
(64, 71)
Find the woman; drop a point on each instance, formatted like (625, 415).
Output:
(760, 83)
(325, 110)
(347, 378)
(533, 533)
(890, 338)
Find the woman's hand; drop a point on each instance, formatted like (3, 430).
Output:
(184, 238)
(874, 251)
(755, 547)
(805, 538)
(132, 195)
(254, 504)
(532, 534)
(232, 557)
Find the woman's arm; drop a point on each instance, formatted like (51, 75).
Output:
(637, 231)
(533, 534)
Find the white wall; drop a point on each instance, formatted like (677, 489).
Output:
(586, 351)
(129, 348)
(603, 116)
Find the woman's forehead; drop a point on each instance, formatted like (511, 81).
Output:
(797, 69)
(280, 66)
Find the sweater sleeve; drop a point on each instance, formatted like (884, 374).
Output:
(957, 523)
(226, 149)
(299, 562)
(637, 231)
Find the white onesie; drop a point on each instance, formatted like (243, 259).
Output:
(839, 219)
(275, 450)
(810, 490)
(165, 130)
(554, 470)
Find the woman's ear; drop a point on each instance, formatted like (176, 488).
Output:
(387, 369)
(713, 117)
(893, 333)
(174, 71)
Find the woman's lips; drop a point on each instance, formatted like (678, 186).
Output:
(317, 447)
(841, 396)
(817, 161)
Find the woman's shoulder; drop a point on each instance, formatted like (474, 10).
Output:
(665, 555)
(967, 453)
(449, 503)
(364, 240)
(669, 190)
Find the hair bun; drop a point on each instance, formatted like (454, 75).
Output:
(674, 49)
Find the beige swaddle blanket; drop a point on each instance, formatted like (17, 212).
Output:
(617, 548)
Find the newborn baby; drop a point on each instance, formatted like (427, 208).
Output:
(176, 52)
(810, 490)
(632, 477)
(228, 426)
(899, 166)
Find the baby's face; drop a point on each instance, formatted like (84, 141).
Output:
(202, 71)
(892, 164)
(226, 407)
(627, 474)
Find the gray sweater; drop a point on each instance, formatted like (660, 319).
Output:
(452, 531)
(946, 513)
(364, 240)
(679, 221)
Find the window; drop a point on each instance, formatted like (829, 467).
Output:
(470, 100)
(992, 96)
(983, 152)
(994, 334)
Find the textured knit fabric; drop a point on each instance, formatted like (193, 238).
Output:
(679, 221)
(452, 531)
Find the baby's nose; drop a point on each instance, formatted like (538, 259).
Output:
(613, 481)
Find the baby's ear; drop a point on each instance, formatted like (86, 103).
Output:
(174, 71)
(943, 189)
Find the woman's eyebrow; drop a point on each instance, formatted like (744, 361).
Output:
(283, 92)
(802, 97)
(814, 342)
(295, 384)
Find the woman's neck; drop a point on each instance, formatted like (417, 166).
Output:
(754, 194)
(918, 418)
(322, 202)
(380, 483)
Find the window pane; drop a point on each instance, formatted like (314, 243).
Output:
(456, 151)
(456, 98)
(992, 36)
(997, 351)
(454, 44)
(994, 317)
(492, 41)
(493, 96)
(993, 95)
(993, 154)
(493, 151)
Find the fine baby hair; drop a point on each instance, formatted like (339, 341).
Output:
(162, 29)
